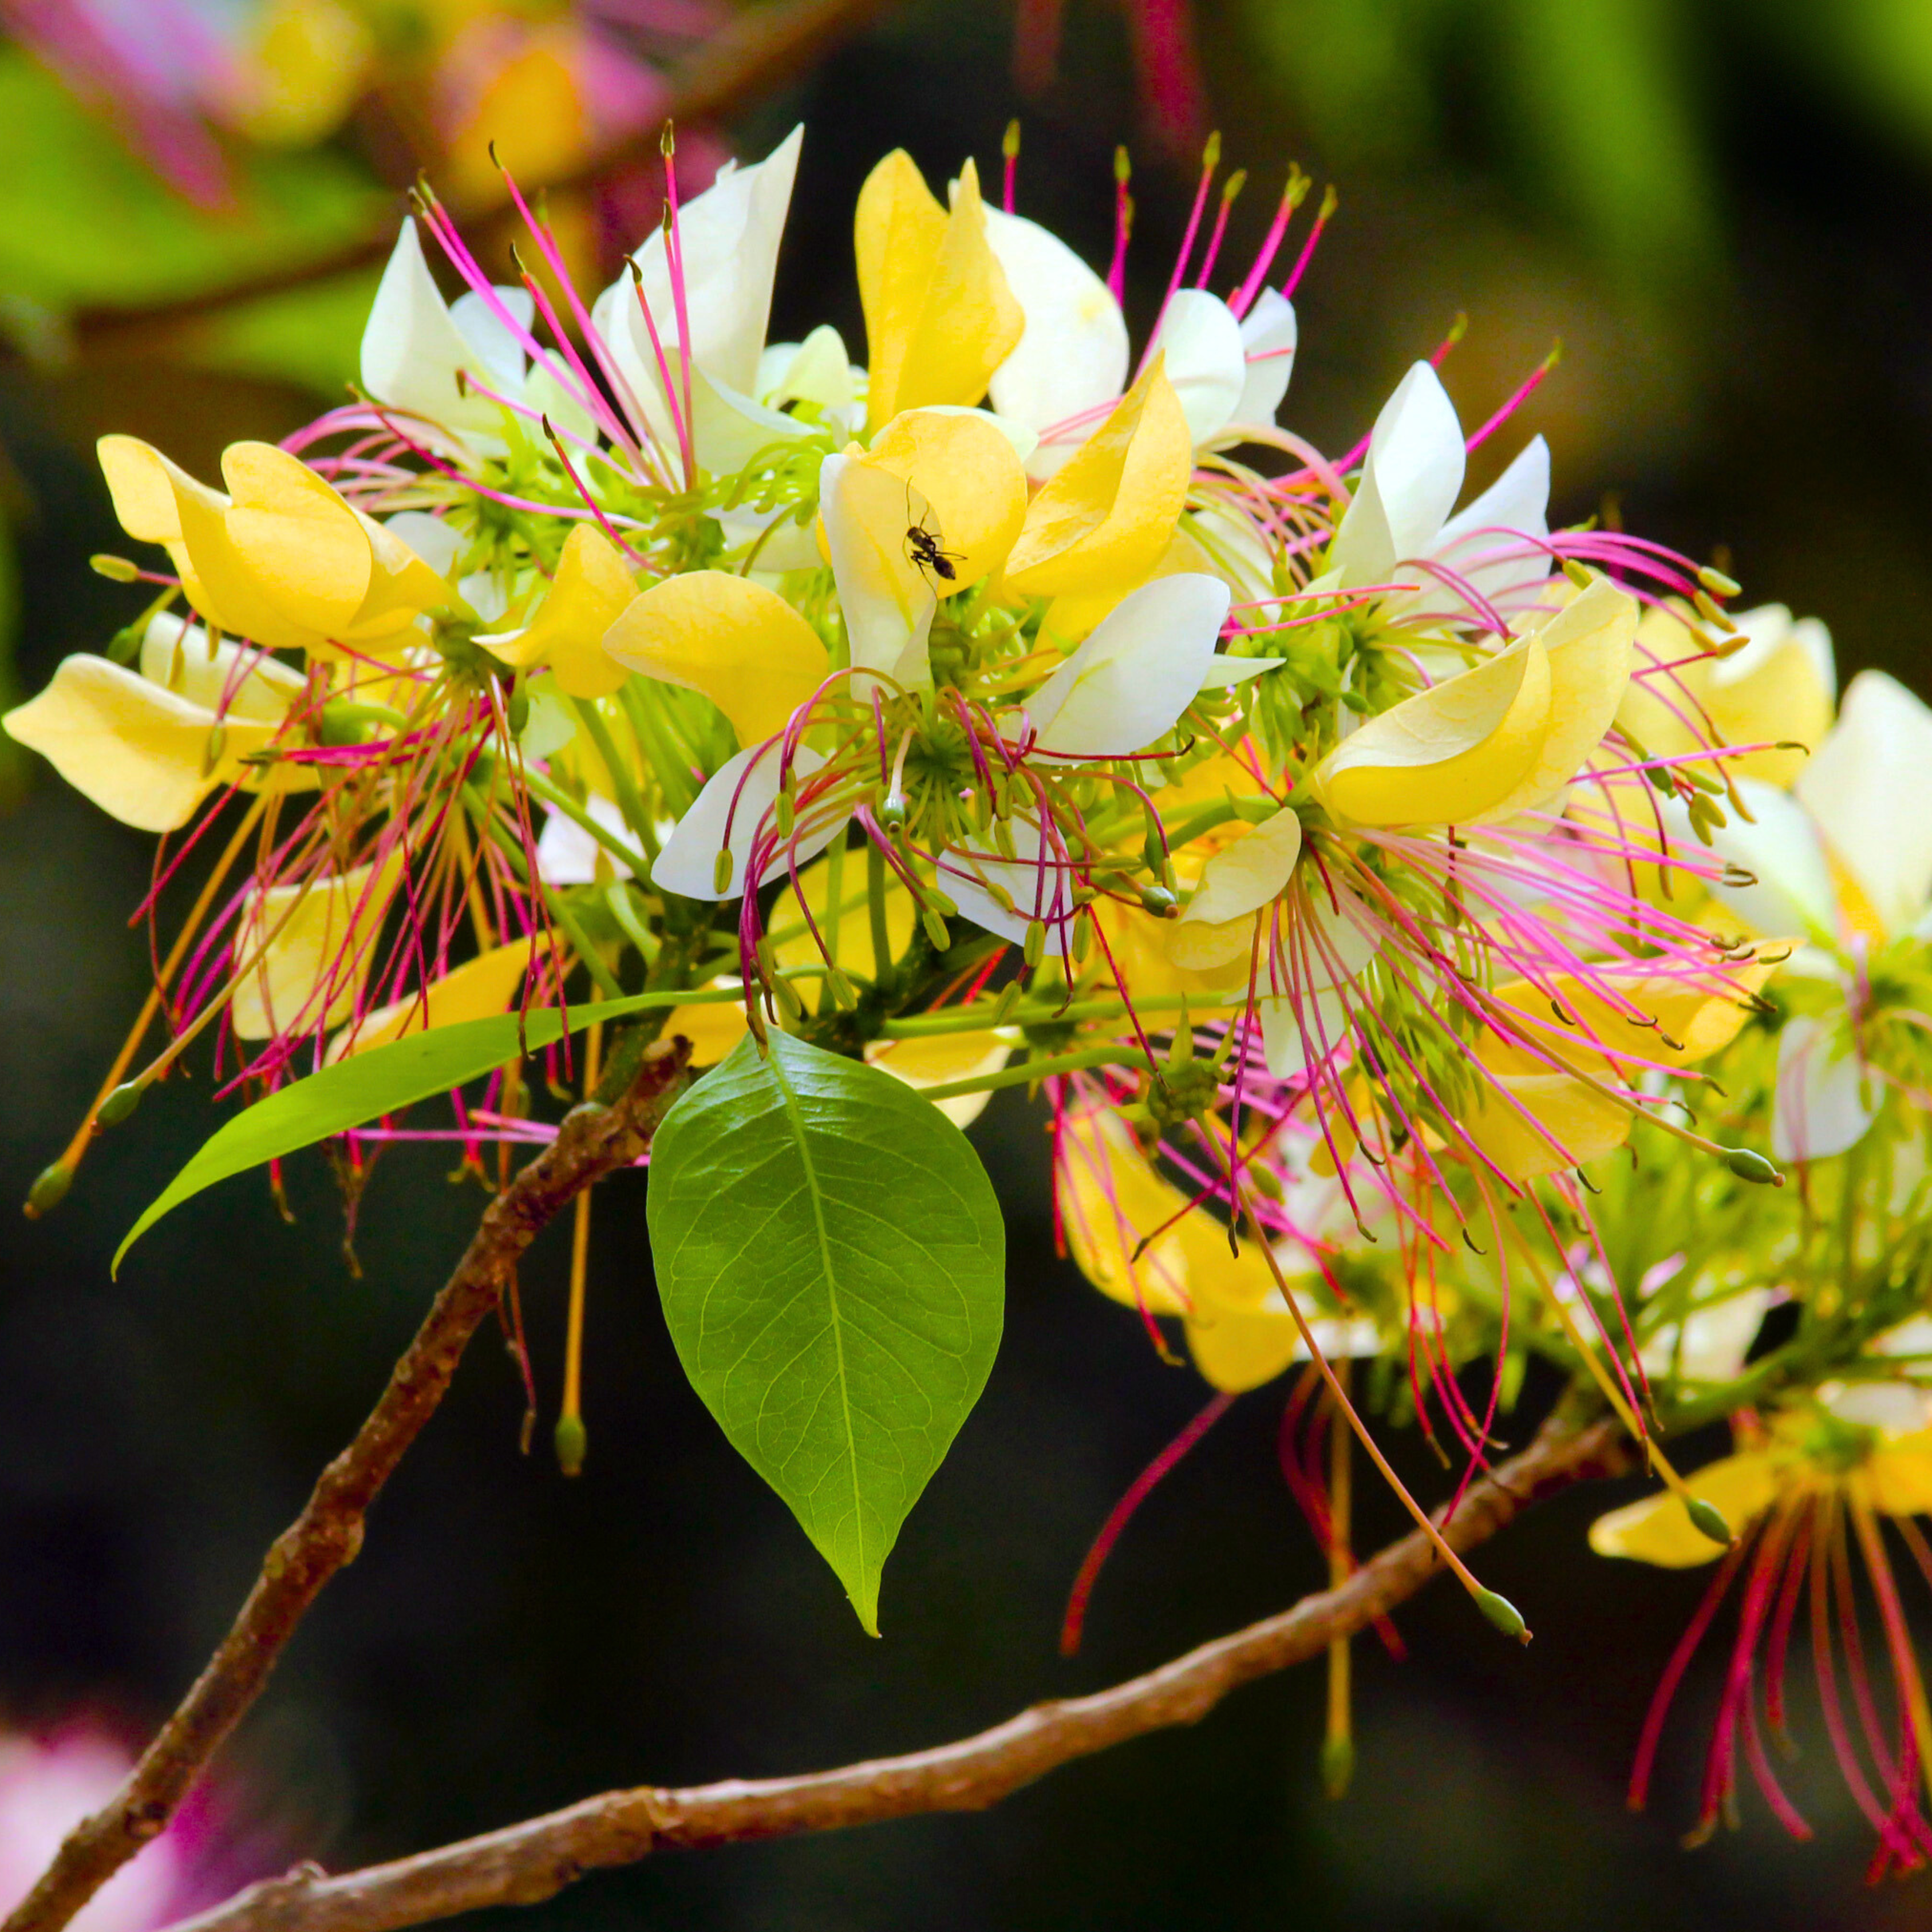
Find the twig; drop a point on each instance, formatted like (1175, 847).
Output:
(758, 47)
(527, 1863)
(593, 1140)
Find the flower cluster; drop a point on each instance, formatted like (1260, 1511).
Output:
(1354, 870)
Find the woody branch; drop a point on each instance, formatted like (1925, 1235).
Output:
(527, 1863)
(594, 1139)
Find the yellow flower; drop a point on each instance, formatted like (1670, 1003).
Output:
(148, 747)
(939, 316)
(474, 991)
(743, 646)
(306, 948)
(283, 560)
(1501, 738)
(1105, 520)
(592, 588)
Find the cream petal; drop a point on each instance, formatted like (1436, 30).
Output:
(1072, 356)
(687, 865)
(567, 855)
(1820, 1108)
(224, 678)
(413, 349)
(299, 941)
(1338, 940)
(1714, 1340)
(728, 240)
(1863, 786)
(434, 539)
(1496, 544)
(1207, 360)
(815, 370)
(1039, 889)
(887, 601)
(1269, 337)
(940, 1059)
(1296, 1033)
(1248, 873)
(1129, 683)
(1791, 894)
(1409, 483)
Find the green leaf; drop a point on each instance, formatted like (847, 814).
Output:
(832, 1265)
(384, 1080)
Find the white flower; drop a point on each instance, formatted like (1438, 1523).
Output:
(1070, 365)
(1494, 550)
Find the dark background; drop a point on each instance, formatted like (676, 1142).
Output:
(1722, 211)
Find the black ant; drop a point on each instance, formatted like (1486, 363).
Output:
(922, 546)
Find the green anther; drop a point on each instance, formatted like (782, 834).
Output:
(217, 743)
(1503, 1614)
(1010, 998)
(122, 1102)
(115, 569)
(1159, 901)
(721, 873)
(785, 812)
(1035, 948)
(1711, 612)
(49, 1190)
(789, 1004)
(1714, 580)
(1710, 1521)
(1083, 940)
(892, 812)
(843, 994)
(1748, 1165)
(935, 928)
(1582, 579)
(1338, 1765)
(517, 709)
(941, 903)
(571, 1443)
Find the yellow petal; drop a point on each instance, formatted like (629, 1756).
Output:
(1142, 947)
(1896, 1478)
(322, 930)
(1107, 516)
(1109, 1197)
(852, 944)
(940, 318)
(1692, 1022)
(142, 483)
(1247, 873)
(939, 1060)
(1769, 697)
(1582, 1123)
(742, 646)
(476, 990)
(968, 471)
(590, 593)
(1658, 1529)
(306, 71)
(1589, 643)
(713, 1028)
(1448, 754)
(140, 752)
(1239, 1349)
(288, 543)
(402, 586)
(1069, 619)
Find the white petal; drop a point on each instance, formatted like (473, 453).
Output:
(493, 338)
(1072, 356)
(888, 603)
(1207, 360)
(1337, 942)
(1714, 1343)
(815, 370)
(432, 538)
(1269, 336)
(1225, 674)
(1866, 787)
(1496, 544)
(1793, 895)
(412, 349)
(181, 657)
(1039, 889)
(1130, 681)
(728, 239)
(688, 864)
(1409, 483)
(567, 855)
(1895, 1407)
(1820, 1107)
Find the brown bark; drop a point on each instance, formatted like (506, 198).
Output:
(593, 1140)
(528, 1862)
